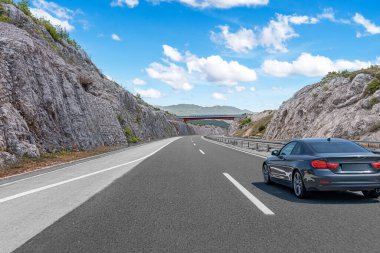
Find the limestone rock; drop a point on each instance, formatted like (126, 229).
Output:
(52, 97)
(339, 106)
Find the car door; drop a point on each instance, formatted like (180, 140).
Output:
(280, 166)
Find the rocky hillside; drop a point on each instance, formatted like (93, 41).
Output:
(52, 97)
(254, 125)
(345, 104)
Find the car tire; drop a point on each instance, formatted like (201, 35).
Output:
(298, 186)
(373, 194)
(266, 174)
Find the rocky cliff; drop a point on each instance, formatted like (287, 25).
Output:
(52, 97)
(345, 104)
(253, 125)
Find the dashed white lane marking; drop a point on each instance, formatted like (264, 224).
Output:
(249, 195)
(19, 195)
(237, 149)
(202, 151)
(194, 144)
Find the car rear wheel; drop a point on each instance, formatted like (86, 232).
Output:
(266, 174)
(298, 186)
(373, 194)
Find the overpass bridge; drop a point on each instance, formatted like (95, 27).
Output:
(203, 117)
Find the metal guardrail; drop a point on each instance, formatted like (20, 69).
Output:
(267, 146)
(255, 144)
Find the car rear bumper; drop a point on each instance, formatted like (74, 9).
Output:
(329, 181)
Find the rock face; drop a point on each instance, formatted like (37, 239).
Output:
(256, 126)
(52, 97)
(342, 105)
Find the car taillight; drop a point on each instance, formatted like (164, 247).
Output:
(320, 164)
(376, 165)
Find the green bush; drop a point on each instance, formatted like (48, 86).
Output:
(120, 118)
(57, 33)
(3, 15)
(245, 121)
(373, 102)
(7, 1)
(24, 7)
(128, 132)
(5, 19)
(372, 87)
(131, 138)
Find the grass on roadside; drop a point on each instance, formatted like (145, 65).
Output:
(49, 159)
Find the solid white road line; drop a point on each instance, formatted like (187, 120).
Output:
(78, 178)
(249, 195)
(202, 151)
(231, 147)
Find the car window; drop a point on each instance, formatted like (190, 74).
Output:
(298, 149)
(336, 147)
(287, 150)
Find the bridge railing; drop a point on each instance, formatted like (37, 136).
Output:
(268, 146)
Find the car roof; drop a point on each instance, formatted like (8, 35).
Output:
(311, 140)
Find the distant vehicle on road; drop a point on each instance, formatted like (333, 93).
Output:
(329, 164)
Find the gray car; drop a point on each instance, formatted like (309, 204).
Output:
(328, 164)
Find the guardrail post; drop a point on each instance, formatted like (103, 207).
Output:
(268, 148)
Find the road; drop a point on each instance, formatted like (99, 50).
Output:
(191, 195)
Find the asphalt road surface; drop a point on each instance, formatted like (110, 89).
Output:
(183, 195)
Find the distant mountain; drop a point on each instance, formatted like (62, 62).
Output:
(190, 109)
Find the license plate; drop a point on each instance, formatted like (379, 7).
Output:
(356, 167)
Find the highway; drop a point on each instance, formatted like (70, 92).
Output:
(183, 194)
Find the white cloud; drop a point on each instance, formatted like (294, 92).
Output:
(172, 75)
(138, 82)
(242, 41)
(56, 14)
(172, 53)
(115, 37)
(219, 96)
(149, 93)
(370, 27)
(39, 13)
(199, 69)
(215, 69)
(240, 88)
(328, 14)
(273, 37)
(128, 3)
(309, 65)
(55, 9)
(252, 89)
(378, 60)
(299, 20)
(223, 4)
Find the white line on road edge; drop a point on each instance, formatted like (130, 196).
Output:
(202, 151)
(237, 149)
(78, 178)
(252, 198)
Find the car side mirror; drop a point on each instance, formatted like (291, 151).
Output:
(275, 152)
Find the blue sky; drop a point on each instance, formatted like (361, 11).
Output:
(252, 54)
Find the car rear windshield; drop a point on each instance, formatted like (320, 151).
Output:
(336, 147)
